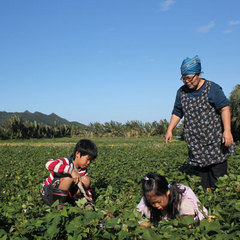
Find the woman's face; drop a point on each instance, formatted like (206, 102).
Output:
(191, 80)
(159, 202)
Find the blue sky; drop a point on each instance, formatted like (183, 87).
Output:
(103, 60)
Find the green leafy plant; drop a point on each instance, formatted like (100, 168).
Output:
(116, 176)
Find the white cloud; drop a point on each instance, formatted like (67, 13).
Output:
(232, 23)
(227, 31)
(206, 28)
(165, 5)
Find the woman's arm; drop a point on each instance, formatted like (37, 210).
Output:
(173, 123)
(226, 119)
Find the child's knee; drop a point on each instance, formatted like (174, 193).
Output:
(86, 181)
(65, 183)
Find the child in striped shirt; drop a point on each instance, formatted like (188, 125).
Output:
(67, 172)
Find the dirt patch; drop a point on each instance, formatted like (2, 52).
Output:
(36, 144)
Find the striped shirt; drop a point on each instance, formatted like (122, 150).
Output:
(63, 167)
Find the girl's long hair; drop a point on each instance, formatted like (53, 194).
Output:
(158, 185)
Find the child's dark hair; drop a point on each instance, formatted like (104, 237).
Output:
(85, 147)
(158, 185)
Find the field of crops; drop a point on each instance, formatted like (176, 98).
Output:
(116, 176)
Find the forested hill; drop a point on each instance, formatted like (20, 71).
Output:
(38, 117)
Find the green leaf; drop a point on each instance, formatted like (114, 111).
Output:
(149, 234)
(107, 235)
(175, 222)
(38, 223)
(53, 229)
(237, 205)
(73, 225)
(188, 220)
(3, 234)
(81, 203)
(64, 212)
(111, 222)
(210, 226)
(123, 235)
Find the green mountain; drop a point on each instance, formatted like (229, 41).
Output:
(38, 117)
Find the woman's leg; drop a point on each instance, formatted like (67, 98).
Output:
(203, 173)
(217, 170)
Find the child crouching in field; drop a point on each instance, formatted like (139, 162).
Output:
(67, 172)
(161, 200)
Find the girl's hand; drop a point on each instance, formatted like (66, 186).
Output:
(227, 138)
(76, 177)
(145, 224)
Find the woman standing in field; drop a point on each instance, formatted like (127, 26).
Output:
(207, 123)
(161, 200)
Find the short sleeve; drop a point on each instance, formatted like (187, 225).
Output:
(177, 109)
(217, 97)
(186, 207)
(143, 209)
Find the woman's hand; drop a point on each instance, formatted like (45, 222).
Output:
(227, 138)
(168, 136)
(173, 123)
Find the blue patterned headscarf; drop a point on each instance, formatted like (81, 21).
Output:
(191, 66)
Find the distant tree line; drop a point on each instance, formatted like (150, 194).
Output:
(131, 129)
(235, 112)
(15, 128)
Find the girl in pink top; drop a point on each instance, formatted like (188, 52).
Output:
(162, 201)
